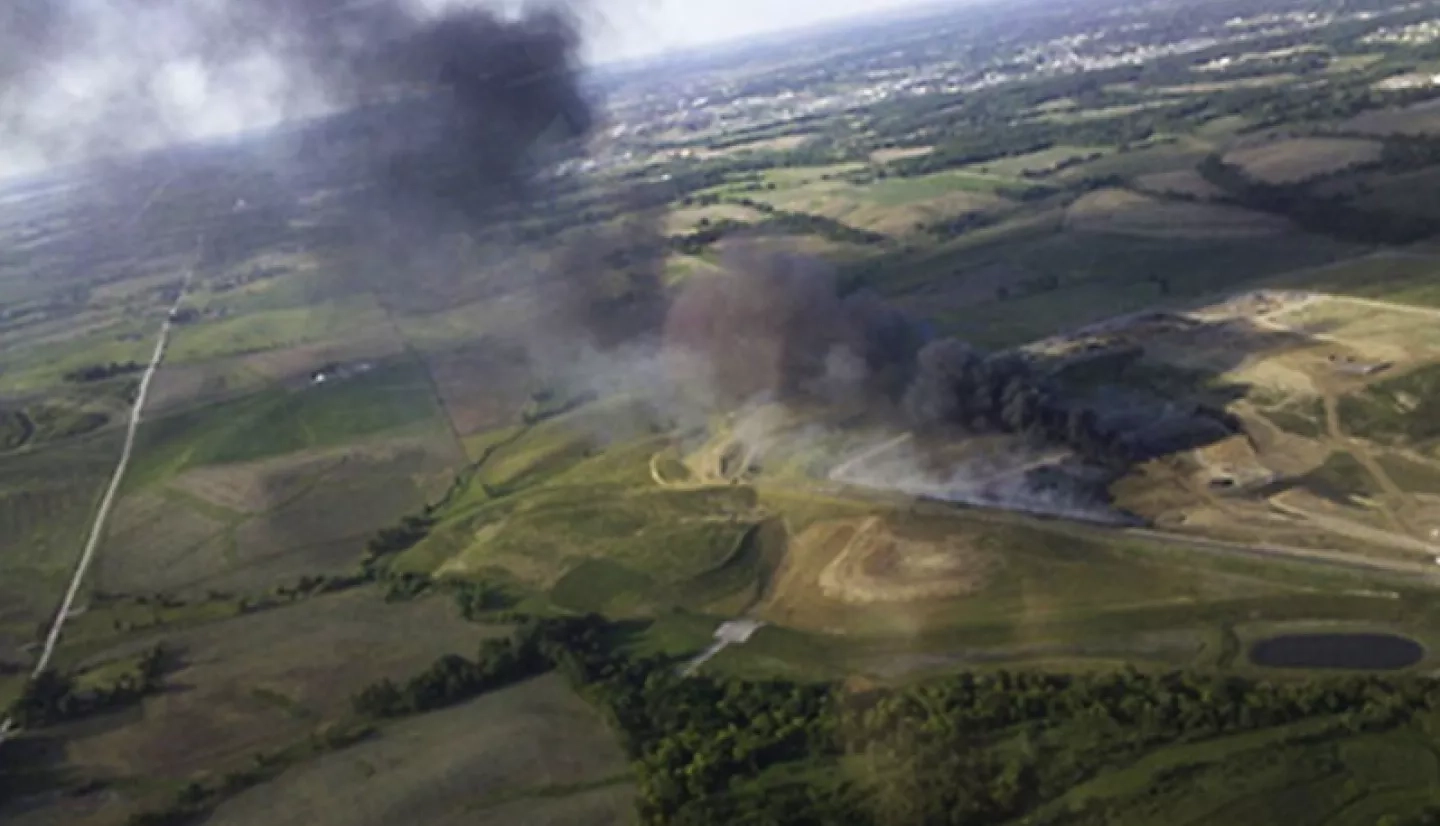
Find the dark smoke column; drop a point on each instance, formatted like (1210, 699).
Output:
(459, 99)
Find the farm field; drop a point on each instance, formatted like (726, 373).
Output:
(533, 751)
(1300, 159)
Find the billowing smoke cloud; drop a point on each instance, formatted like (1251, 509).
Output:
(774, 325)
(79, 77)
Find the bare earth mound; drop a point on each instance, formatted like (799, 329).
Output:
(877, 565)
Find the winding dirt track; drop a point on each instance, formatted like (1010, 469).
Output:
(97, 529)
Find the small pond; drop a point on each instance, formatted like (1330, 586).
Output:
(1364, 652)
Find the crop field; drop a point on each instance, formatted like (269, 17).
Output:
(533, 753)
(27, 369)
(1122, 212)
(1062, 280)
(465, 322)
(1182, 182)
(900, 153)
(1417, 119)
(47, 498)
(245, 525)
(1300, 159)
(481, 387)
(1161, 156)
(1080, 115)
(263, 680)
(274, 329)
(894, 205)
(183, 384)
(1260, 82)
(389, 398)
(1040, 163)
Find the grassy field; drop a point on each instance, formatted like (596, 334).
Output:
(274, 329)
(1300, 159)
(47, 498)
(1405, 279)
(388, 398)
(1059, 280)
(533, 753)
(1405, 409)
(1410, 193)
(1041, 163)
(1418, 119)
(891, 205)
(1311, 772)
(251, 683)
(1121, 212)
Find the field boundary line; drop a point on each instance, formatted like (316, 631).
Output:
(7, 726)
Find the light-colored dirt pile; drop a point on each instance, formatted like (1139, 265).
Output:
(876, 565)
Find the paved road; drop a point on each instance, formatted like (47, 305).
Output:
(97, 529)
(1419, 572)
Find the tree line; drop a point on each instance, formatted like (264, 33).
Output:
(52, 697)
(1331, 215)
(101, 372)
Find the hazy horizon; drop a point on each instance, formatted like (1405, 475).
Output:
(660, 27)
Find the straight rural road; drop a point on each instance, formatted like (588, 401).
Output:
(97, 528)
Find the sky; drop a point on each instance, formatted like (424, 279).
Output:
(136, 50)
(644, 27)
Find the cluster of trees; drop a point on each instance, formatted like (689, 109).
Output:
(453, 678)
(51, 697)
(1331, 215)
(1405, 153)
(391, 541)
(958, 385)
(958, 225)
(977, 148)
(101, 372)
(480, 600)
(1061, 165)
(705, 236)
(777, 222)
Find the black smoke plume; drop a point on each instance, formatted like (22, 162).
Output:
(441, 104)
(774, 325)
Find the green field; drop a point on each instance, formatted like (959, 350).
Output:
(1061, 279)
(1041, 163)
(534, 750)
(273, 329)
(387, 399)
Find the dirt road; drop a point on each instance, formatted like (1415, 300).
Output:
(97, 529)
